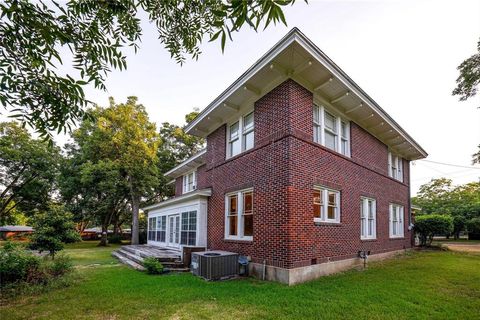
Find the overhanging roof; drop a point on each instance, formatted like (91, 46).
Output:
(186, 197)
(187, 165)
(297, 57)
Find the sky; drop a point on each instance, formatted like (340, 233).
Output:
(404, 54)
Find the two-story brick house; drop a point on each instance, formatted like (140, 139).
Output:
(302, 170)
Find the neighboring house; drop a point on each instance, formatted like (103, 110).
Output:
(18, 232)
(302, 170)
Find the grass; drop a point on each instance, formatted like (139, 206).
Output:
(420, 285)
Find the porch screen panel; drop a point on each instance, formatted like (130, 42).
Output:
(189, 228)
(161, 228)
(151, 228)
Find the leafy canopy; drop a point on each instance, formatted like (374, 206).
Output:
(28, 170)
(469, 78)
(97, 34)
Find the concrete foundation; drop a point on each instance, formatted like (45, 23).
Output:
(303, 274)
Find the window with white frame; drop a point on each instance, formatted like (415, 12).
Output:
(395, 166)
(331, 131)
(396, 221)
(152, 224)
(241, 135)
(161, 228)
(326, 205)
(239, 215)
(188, 231)
(368, 218)
(190, 181)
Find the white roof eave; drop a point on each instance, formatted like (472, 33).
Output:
(186, 197)
(297, 36)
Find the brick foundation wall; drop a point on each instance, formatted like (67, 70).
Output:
(283, 168)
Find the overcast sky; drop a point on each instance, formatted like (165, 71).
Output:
(404, 54)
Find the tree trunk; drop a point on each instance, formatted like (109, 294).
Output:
(104, 238)
(135, 226)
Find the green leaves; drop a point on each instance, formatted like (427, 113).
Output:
(469, 78)
(96, 34)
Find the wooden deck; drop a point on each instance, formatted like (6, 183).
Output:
(133, 256)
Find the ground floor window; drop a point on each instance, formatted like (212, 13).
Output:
(188, 232)
(396, 220)
(161, 229)
(368, 218)
(151, 228)
(239, 215)
(326, 205)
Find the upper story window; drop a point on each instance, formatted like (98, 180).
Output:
(240, 135)
(396, 221)
(331, 131)
(239, 215)
(326, 205)
(190, 181)
(395, 166)
(368, 219)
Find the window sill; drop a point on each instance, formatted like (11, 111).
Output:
(396, 237)
(368, 239)
(325, 223)
(244, 239)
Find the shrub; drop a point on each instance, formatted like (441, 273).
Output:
(473, 228)
(152, 265)
(52, 230)
(115, 238)
(16, 263)
(61, 265)
(429, 225)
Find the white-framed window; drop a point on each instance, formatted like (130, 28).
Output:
(152, 225)
(395, 166)
(188, 231)
(190, 181)
(161, 229)
(241, 135)
(396, 221)
(326, 205)
(368, 219)
(331, 130)
(239, 215)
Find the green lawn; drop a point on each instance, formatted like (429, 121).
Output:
(422, 285)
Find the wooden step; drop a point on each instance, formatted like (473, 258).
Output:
(127, 261)
(136, 258)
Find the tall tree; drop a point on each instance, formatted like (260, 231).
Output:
(176, 146)
(97, 34)
(469, 78)
(132, 141)
(28, 169)
(115, 152)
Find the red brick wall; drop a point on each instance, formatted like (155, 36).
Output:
(178, 186)
(283, 168)
(201, 181)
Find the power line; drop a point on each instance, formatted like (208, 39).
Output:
(450, 164)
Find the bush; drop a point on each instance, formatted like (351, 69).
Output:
(152, 265)
(61, 265)
(473, 228)
(433, 224)
(115, 238)
(16, 263)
